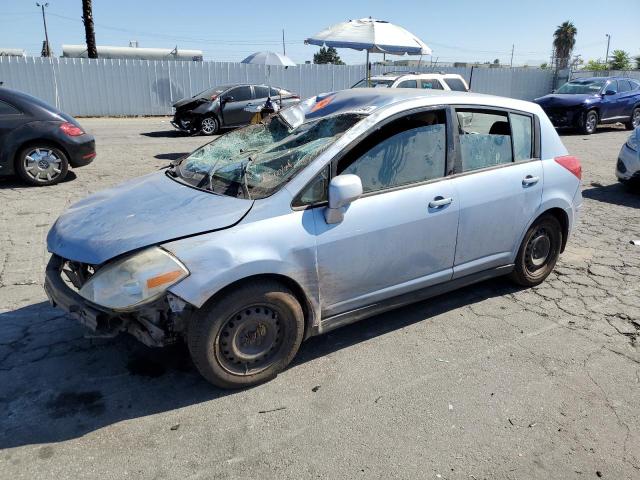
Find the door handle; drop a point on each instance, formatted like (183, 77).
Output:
(440, 202)
(530, 180)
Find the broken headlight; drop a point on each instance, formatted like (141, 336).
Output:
(133, 280)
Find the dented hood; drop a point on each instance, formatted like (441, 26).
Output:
(146, 211)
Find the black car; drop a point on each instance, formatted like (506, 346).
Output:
(586, 102)
(39, 142)
(226, 106)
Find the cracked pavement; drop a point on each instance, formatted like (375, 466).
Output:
(491, 381)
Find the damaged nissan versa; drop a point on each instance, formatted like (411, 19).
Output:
(346, 205)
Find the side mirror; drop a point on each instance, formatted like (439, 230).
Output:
(343, 190)
(610, 92)
(228, 99)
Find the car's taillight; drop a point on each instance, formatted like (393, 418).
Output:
(213, 97)
(295, 97)
(71, 130)
(571, 163)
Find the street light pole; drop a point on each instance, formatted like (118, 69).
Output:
(606, 58)
(47, 49)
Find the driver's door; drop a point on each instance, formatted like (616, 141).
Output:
(394, 239)
(609, 107)
(234, 103)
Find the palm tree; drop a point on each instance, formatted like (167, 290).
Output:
(564, 39)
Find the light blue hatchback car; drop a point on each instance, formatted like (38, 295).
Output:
(346, 205)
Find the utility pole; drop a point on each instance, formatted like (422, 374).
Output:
(46, 49)
(513, 47)
(606, 58)
(284, 50)
(90, 34)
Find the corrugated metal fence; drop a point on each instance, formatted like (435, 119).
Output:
(85, 87)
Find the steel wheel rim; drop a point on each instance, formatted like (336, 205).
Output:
(208, 125)
(636, 118)
(249, 340)
(591, 122)
(43, 165)
(538, 251)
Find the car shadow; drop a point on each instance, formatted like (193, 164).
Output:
(171, 156)
(15, 183)
(574, 132)
(56, 385)
(164, 134)
(616, 194)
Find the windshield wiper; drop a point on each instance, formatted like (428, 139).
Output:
(245, 186)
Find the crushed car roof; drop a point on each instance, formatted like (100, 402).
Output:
(368, 100)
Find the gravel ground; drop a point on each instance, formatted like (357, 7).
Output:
(489, 382)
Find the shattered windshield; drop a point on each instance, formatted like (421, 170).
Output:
(253, 162)
(582, 87)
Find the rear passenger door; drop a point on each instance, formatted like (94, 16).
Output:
(499, 183)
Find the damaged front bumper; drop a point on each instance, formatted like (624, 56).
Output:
(156, 324)
(184, 124)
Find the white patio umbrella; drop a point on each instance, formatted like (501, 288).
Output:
(371, 35)
(269, 58)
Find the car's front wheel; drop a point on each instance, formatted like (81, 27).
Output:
(247, 336)
(589, 122)
(634, 121)
(538, 252)
(42, 165)
(209, 126)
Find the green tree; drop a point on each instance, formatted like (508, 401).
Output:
(327, 55)
(564, 39)
(595, 65)
(544, 66)
(620, 60)
(637, 59)
(496, 61)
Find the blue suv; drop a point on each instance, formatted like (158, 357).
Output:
(586, 102)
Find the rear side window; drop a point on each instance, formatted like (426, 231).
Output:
(261, 92)
(634, 85)
(485, 139)
(623, 86)
(455, 84)
(432, 84)
(408, 84)
(521, 129)
(7, 109)
(409, 150)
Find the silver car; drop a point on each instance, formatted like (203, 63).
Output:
(628, 164)
(344, 206)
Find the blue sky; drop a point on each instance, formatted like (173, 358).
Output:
(461, 30)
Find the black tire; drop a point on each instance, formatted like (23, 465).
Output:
(209, 125)
(538, 252)
(634, 121)
(589, 122)
(42, 165)
(248, 336)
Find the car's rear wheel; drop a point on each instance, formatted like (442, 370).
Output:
(248, 336)
(634, 121)
(589, 122)
(42, 165)
(538, 252)
(209, 126)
